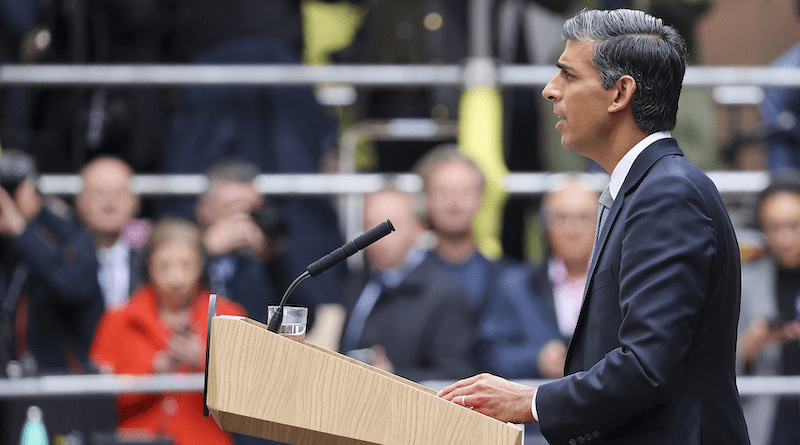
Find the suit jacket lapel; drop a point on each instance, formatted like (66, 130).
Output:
(638, 171)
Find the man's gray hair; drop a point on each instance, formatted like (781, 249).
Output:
(445, 153)
(229, 170)
(630, 42)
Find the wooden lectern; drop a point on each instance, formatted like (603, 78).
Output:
(262, 384)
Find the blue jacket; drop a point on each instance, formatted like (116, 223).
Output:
(518, 321)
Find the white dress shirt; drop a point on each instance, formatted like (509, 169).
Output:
(114, 273)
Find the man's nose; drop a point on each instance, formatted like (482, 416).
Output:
(549, 91)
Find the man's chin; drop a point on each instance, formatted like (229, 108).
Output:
(454, 232)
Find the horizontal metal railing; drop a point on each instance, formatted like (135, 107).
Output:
(87, 385)
(728, 182)
(350, 187)
(363, 75)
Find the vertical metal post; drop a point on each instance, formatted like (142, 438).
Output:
(480, 29)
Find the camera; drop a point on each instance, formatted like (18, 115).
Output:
(269, 221)
(15, 167)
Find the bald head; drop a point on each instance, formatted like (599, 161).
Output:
(398, 206)
(107, 202)
(571, 217)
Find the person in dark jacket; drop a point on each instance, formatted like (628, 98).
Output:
(524, 332)
(50, 298)
(108, 206)
(410, 316)
(238, 250)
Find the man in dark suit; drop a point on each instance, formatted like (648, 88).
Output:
(410, 315)
(653, 355)
(238, 249)
(107, 206)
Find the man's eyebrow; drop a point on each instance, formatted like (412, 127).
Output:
(562, 66)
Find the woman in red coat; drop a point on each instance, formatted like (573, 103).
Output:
(162, 329)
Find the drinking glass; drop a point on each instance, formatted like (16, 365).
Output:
(294, 321)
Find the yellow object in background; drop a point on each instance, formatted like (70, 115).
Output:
(481, 139)
(327, 28)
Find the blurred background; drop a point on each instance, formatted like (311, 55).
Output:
(330, 100)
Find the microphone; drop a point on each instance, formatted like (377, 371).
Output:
(328, 261)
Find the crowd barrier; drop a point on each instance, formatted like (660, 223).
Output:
(109, 384)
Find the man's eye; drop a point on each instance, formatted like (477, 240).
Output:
(567, 74)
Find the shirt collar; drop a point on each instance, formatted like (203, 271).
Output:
(624, 166)
(118, 252)
(392, 278)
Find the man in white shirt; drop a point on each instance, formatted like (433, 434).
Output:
(107, 205)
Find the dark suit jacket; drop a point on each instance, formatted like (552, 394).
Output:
(653, 356)
(137, 264)
(426, 324)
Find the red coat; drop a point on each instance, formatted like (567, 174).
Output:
(127, 340)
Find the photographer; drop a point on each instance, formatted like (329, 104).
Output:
(237, 246)
(50, 296)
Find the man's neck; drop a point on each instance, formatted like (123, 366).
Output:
(106, 240)
(456, 248)
(619, 143)
(576, 268)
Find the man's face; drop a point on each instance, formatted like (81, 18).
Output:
(571, 224)
(780, 222)
(106, 202)
(579, 100)
(390, 251)
(454, 197)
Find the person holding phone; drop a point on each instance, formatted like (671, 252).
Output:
(769, 325)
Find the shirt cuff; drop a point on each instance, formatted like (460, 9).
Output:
(533, 405)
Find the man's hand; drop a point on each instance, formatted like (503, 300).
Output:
(494, 396)
(12, 221)
(238, 231)
(552, 357)
(758, 336)
(380, 360)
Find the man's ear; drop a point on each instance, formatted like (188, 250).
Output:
(624, 89)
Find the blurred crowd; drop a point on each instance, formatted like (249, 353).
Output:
(109, 282)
